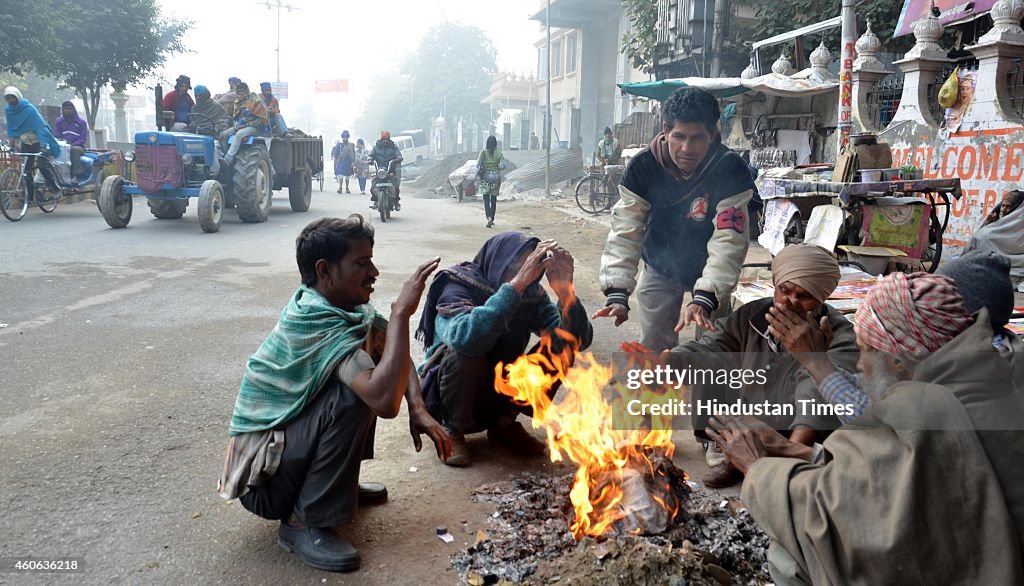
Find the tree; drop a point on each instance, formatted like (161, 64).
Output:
(28, 30)
(450, 74)
(771, 18)
(639, 42)
(785, 15)
(119, 44)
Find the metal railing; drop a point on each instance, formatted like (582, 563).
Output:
(1015, 88)
(884, 99)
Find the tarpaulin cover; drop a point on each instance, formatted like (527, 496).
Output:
(951, 11)
(771, 84)
(157, 167)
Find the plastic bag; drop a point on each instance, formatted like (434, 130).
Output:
(950, 90)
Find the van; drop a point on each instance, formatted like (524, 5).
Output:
(413, 150)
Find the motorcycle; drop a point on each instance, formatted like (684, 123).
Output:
(383, 187)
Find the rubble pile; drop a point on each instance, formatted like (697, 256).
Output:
(714, 541)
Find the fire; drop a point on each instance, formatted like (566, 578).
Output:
(608, 488)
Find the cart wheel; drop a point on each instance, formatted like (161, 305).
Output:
(46, 202)
(211, 206)
(13, 194)
(590, 195)
(320, 178)
(115, 206)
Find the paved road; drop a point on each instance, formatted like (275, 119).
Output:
(120, 363)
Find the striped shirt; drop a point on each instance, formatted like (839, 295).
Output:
(840, 388)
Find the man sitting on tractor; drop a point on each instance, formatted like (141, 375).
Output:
(273, 110)
(180, 103)
(227, 99)
(250, 120)
(382, 154)
(208, 117)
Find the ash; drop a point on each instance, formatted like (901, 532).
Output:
(712, 541)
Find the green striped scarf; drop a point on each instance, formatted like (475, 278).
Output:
(284, 375)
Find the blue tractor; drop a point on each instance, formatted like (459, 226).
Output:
(172, 167)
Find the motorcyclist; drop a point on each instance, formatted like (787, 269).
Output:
(382, 154)
(26, 125)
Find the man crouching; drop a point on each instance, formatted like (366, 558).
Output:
(305, 414)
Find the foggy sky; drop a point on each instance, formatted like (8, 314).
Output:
(334, 39)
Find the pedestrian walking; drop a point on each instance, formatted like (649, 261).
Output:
(488, 168)
(362, 165)
(343, 162)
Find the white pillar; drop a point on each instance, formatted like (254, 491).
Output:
(120, 116)
(867, 71)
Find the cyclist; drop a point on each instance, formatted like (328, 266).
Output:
(609, 152)
(26, 125)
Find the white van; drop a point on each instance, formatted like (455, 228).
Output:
(413, 150)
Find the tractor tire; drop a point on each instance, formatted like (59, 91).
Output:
(115, 206)
(211, 206)
(167, 209)
(300, 190)
(251, 183)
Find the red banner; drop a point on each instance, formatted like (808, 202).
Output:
(331, 86)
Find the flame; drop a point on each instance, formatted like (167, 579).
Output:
(579, 428)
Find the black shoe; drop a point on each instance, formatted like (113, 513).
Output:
(320, 548)
(372, 493)
(373, 206)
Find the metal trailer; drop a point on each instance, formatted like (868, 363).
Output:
(296, 162)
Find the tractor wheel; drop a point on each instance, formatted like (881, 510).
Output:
(115, 206)
(251, 185)
(167, 209)
(300, 190)
(211, 206)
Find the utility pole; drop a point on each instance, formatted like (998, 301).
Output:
(547, 112)
(278, 5)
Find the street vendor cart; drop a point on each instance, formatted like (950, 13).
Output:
(872, 223)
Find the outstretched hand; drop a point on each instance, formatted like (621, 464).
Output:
(617, 310)
(421, 422)
(560, 267)
(694, 314)
(742, 446)
(412, 290)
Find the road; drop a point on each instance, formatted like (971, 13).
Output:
(122, 354)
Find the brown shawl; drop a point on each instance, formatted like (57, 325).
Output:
(914, 493)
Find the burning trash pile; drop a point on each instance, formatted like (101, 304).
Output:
(628, 515)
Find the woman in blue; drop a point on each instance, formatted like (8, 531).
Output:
(26, 125)
(483, 312)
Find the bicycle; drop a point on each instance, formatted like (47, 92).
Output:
(598, 190)
(14, 192)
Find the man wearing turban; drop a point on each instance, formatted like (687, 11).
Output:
(926, 487)
(804, 276)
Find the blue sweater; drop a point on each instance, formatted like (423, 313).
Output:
(499, 328)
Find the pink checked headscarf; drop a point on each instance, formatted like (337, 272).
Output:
(911, 316)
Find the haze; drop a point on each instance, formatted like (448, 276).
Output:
(326, 39)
